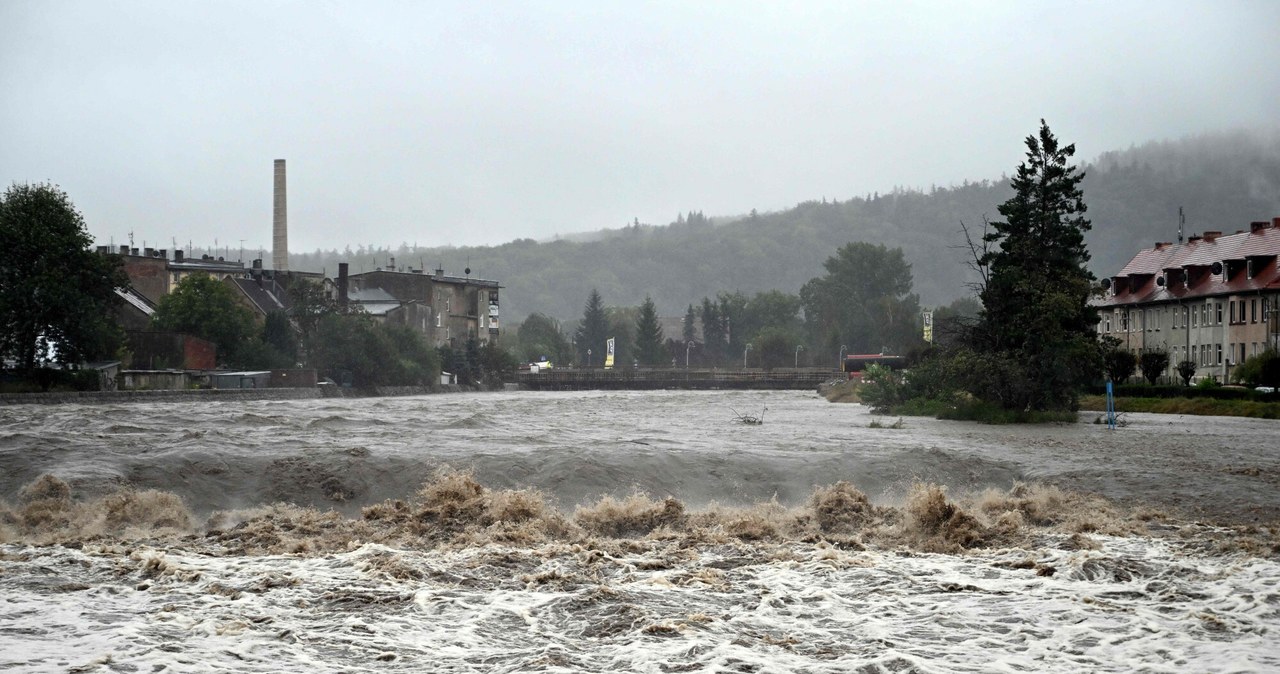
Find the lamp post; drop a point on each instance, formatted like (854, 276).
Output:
(687, 345)
(840, 358)
(588, 359)
(744, 356)
(798, 348)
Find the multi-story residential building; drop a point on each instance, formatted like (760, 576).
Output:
(1211, 300)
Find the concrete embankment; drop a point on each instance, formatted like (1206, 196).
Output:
(113, 397)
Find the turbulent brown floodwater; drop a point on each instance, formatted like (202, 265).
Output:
(629, 531)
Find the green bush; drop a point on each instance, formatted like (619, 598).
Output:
(1262, 369)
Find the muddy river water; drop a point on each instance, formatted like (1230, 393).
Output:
(631, 531)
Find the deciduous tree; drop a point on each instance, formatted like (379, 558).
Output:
(55, 293)
(205, 307)
(864, 301)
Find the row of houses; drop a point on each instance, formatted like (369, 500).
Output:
(1212, 300)
(447, 310)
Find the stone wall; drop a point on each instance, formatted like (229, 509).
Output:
(110, 397)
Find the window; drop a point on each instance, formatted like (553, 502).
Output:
(1243, 355)
(1219, 351)
(1193, 317)
(1231, 307)
(1218, 311)
(1106, 323)
(1253, 311)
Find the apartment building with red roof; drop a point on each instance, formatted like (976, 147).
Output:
(1212, 300)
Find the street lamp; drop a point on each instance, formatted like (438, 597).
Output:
(686, 353)
(840, 364)
(588, 359)
(798, 348)
(744, 356)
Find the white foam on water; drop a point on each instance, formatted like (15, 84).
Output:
(1135, 604)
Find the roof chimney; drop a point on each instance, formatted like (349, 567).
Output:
(280, 222)
(1275, 223)
(177, 256)
(1211, 235)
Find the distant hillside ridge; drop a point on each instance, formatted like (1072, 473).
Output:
(1223, 181)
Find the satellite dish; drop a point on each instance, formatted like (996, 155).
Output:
(467, 271)
(1160, 281)
(1216, 268)
(1106, 284)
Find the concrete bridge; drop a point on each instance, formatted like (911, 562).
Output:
(640, 379)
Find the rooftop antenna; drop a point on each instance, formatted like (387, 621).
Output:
(241, 250)
(131, 238)
(1182, 221)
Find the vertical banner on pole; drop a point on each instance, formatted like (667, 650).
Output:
(928, 326)
(608, 354)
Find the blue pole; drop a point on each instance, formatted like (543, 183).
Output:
(1111, 408)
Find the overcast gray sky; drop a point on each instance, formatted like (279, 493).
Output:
(472, 123)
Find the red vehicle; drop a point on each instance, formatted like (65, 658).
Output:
(855, 363)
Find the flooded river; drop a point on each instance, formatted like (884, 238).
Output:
(630, 531)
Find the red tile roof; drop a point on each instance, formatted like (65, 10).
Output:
(1137, 282)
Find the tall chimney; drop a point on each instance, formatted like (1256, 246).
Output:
(280, 222)
(342, 285)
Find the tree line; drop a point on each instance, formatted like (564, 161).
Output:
(863, 304)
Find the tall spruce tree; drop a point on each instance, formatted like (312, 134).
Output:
(713, 331)
(593, 331)
(690, 331)
(1036, 327)
(650, 348)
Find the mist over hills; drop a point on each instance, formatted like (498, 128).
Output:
(1222, 181)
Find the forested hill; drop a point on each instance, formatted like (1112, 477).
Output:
(1222, 181)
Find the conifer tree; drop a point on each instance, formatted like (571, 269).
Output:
(593, 332)
(650, 348)
(689, 333)
(1036, 327)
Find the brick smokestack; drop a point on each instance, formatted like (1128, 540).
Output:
(343, 285)
(280, 223)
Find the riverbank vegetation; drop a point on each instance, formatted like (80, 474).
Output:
(1256, 409)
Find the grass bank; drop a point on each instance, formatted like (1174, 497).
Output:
(1201, 406)
(961, 410)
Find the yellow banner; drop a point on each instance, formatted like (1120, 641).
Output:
(608, 354)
